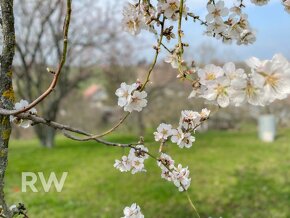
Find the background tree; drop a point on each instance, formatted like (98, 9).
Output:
(39, 44)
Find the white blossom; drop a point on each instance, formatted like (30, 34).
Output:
(177, 136)
(246, 37)
(209, 73)
(216, 27)
(163, 132)
(123, 165)
(165, 160)
(134, 162)
(173, 60)
(186, 141)
(232, 73)
(170, 8)
(130, 98)
(134, 211)
(136, 101)
(246, 90)
(137, 165)
(179, 176)
(22, 104)
(124, 93)
(219, 91)
(216, 11)
(132, 19)
(189, 119)
(273, 75)
(204, 114)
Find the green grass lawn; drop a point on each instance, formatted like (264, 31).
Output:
(233, 176)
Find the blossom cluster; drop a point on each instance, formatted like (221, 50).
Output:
(137, 17)
(134, 211)
(170, 9)
(179, 176)
(21, 122)
(134, 162)
(143, 15)
(182, 135)
(131, 97)
(267, 81)
(228, 24)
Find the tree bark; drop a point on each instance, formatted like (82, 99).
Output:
(6, 92)
(46, 135)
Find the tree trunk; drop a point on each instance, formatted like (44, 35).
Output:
(6, 92)
(46, 135)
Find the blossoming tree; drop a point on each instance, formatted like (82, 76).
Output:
(226, 85)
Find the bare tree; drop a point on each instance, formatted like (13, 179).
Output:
(39, 44)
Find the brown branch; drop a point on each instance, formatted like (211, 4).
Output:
(65, 129)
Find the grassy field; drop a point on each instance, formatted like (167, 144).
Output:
(233, 176)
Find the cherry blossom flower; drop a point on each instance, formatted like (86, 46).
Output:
(134, 162)
(232, 73)
(209, 73)
(132, 19)
(275, 81)
(181, 178)
(204, 114)
(123, 165)
(246, 90)
(177, 136)
(124, 93)
(134, 211)
(136, 101)
(246, 37)
(140, 151)
(219, 91)
(163, 132)
(273, 75)
(216, 27)
(216, 11)
(178, 175)
(186, 141)
(173, 60)
(137, 165)
(169, 7)
(165, 162)
(22, 122)
(189, 119)
(130, 98)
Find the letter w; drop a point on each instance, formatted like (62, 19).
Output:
(52, 179)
